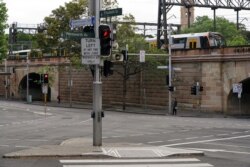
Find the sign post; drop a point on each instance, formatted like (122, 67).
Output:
(97, 88)
(237, 88)
(45, 92)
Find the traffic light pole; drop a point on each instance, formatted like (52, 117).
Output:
(97, 88)
(169, 70)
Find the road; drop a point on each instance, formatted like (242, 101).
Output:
(225, 141)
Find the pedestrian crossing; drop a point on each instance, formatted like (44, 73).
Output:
(173, 162)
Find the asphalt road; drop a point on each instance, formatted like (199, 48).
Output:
(225, 141)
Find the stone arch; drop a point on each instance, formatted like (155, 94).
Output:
(35, 89)
(240, 105)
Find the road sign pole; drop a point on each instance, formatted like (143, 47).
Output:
(169, 70)
(97, 89)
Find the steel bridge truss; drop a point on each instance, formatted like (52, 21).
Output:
(226, 4)
(166, 5)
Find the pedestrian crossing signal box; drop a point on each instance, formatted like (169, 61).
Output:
(45, 78)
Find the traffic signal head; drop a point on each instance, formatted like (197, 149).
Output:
(171, 88)
(14, 35)
(107, 68)
(89, 32)
(105, 40)
(201, 88)
(45, 78)
(193, 90)
(125, 55)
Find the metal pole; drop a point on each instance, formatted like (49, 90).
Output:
(6, 84)
(169, 69)
(70, 85)
(97, 89)
(27, 91)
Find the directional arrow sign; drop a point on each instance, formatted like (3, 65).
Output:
(82, 22)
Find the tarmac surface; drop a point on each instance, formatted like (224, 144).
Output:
(83, 147)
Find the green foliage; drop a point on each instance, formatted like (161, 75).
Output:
(58, 22)
(226, 28)
(3, 26)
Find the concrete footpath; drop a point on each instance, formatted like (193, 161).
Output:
(82, 147)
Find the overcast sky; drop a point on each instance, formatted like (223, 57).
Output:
(34, 11)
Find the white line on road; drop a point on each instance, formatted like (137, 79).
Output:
(223, 134)
(206, 141)
(4, 145)
(220, 150)
(234, 133)
(136, 135)
(86, 120)
(227, 145)
(100, 161)
(174, 139)
(23, 146)
(207, 136)
(146, 165)
(191, 138)
(152, 142)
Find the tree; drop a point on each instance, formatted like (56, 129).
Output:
(58, 23)
(3, 26)
(126, 36)
(226, 28)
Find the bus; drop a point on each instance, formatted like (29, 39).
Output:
(203, 40)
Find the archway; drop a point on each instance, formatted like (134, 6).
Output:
(240, 105)
(35, 89)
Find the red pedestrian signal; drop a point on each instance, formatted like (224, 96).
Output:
(105, 40)
(45, 78)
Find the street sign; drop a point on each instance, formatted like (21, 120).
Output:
(237, 88)
(90, 50)
(111, 12)
(142, 56)
(82, 22)
(166, 67)
(72, 35)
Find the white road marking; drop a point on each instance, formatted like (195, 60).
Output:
(207, 136)
(152, 142)
(220, 150)
(23, 146)
(191, 138)
(206, 141)
(174, 139)
(100, 161)
(223, 134)
(86, 120)
(136, 135)
(146, 165)
(227, 145)
(234, 133)
(4, 145)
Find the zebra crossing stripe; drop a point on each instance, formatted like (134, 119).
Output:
(145, 165)
(97, 161)
(174, 162)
